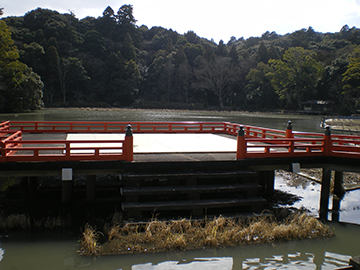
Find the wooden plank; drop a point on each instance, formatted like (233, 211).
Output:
(197, 175)
(191, 204)
(186, 189)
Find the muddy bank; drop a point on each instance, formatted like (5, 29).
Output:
(351, 180)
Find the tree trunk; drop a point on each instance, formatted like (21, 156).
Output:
(221, 102)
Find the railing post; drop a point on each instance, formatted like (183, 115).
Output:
(288, 132)
(241, 144)
(2, 151)
(129, 144)
(327, 142)
(289, 135)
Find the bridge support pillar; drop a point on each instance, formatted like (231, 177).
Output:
(33, 188)
(338, 195)
(90, 188)
(67, 185)
(24, 189)
(29, 189)
(325, 193)
(267, 179)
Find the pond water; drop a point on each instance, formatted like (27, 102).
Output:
(278, 121)
(325, 253)
(29, 251)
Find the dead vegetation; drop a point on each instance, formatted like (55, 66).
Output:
(187, 234)
(24, 222)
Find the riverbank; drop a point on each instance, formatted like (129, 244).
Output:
(351, 181)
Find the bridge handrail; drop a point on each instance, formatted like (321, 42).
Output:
(266, 148)
(4, 126)
(12, 139)
(256, 141)
(301, 134)
(118, 127)
(66, 150)
(254, 131)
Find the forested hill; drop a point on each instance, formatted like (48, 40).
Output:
(111, 61)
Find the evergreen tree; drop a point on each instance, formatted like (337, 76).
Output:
(20, 88)
(295, 76)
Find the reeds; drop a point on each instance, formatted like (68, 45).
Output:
(186, 234)
(14, 221)
(24, 222)
(89, 245)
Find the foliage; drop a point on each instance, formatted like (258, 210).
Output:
(20, 87)
(111, 60)
(351, 80)
(296, 76)
(260, 92)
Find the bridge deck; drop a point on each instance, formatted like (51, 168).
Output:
(168, 143)
(159, 147)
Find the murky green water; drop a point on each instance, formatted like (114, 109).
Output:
(326, 253)
(300, 122)
(28, 252)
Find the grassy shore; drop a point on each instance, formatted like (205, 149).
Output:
(186, 234)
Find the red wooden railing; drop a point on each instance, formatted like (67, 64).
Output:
(69, 150)
(4, 126)
(116, 127)
(254, 142)
(141, 127)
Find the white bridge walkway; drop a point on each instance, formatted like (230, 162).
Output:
(160, 143)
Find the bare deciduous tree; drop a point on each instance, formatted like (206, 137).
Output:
(217, 75)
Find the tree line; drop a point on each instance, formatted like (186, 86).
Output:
(52, 59)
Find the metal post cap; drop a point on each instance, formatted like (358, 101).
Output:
(289, 125)
(241, 131)
(129, 131)
(327, 131)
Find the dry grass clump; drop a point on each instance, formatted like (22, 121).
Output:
(186, 234)
(89, 245)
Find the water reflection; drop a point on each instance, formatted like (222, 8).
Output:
(325, 253)
(277, 121)
(222, 263)
(309, 191)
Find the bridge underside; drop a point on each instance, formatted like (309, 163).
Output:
(191, 161)
(174, 184)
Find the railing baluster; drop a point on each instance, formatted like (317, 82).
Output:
(67, 149)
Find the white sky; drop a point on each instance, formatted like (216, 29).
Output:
(213, 18)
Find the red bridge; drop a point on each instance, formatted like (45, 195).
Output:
(252, 142)
(239, 178)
